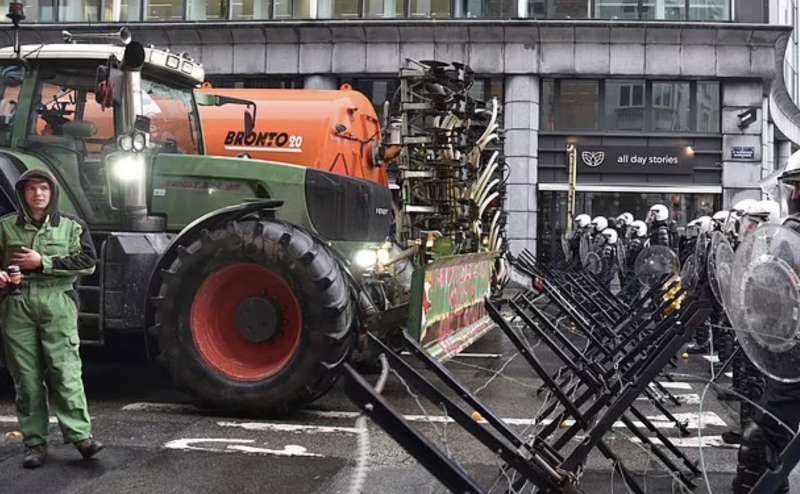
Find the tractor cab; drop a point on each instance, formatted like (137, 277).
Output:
(94, 114)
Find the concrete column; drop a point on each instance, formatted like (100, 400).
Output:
(319, 82)
(521, 115)
(784, 151)
(742, 148)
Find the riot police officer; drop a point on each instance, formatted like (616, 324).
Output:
(630, 285)
(662, 230)
(763, 439)
(608, 255)
(582, 223)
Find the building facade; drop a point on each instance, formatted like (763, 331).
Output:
(685, 102)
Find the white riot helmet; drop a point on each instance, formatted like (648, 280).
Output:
(757, 214)
(658, 212)
(624, 220)
(611, 236)
(741, 207)
(583, 220)
(639, 228)
(789, 185)
(600, 223)
(699, 225)
(720, 218)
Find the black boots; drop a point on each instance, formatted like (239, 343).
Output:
(34, 456)
(89, 447)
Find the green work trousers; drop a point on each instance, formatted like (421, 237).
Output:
(40, 328)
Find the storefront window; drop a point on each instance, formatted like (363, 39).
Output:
(164, 10)
(501, 9)
(207, 10)
(292, 9)
(430, 8)
(630, 105)
(683, 207)
(121, 10)
(625, 103)
(77, 10)
(641, 9)
(671, 106)
(574, 9)
(245, 10)
(709, 10)
(616, 9)
(38, 11)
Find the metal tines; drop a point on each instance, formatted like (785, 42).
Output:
(121, 37)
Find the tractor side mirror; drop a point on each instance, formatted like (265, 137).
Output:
(249, 123)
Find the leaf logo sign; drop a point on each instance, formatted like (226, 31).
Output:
(593, 159)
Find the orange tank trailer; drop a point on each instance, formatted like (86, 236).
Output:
(333, 130)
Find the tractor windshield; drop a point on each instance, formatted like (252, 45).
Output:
(172, 118)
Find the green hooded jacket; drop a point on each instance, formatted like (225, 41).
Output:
(63, 242)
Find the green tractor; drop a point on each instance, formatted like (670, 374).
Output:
(253, 281)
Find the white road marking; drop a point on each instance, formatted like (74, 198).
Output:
(729, 375)
(708, 419)
(694, 442)
(11, 419)
(274, 427)
(711, 358)
(685, 399)
(674, 385)
(236, 446)
(161, 407)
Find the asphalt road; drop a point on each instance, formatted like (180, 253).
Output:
(159, 442)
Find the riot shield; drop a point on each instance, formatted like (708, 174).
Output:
(700, 254)
(654, 262)
(585, 247)
(711, 265)
(566, 248)
(622, 258)
(594, 264)
(764, 304)
(689, 273)
(724, 267)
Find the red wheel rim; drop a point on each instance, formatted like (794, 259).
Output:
(214, 327)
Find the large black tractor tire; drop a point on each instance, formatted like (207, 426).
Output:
(256, 317)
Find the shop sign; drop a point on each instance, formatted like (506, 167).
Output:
(635, 159)
(743, 153)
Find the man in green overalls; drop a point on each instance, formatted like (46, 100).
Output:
(40, 324)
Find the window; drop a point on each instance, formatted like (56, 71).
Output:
(624, 105)
(171, 116)
(574, 104)
(709, 10)
(163, 10)
(430, 8)
(385, 8)
(121, 10)
(41, 11)
(292, 9)
(77, 10)
(575, 9)
(707, 106)
(10, 85)
(339, 9)
(287, 82)
(248, 10)
(501, 9)
(630, 105)
(207, 10)
(671, 106)
(616, 9)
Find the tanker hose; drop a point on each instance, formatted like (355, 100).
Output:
(362, 454)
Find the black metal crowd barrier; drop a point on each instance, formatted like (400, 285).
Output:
(627, 346)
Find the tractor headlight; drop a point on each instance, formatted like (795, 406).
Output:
(139, 142)
(128, 168)
(383, 255)
(366, 258)
(125, 143)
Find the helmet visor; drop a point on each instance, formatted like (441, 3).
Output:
(789, 198)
